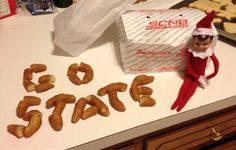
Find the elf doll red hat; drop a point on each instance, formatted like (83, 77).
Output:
(204, 25)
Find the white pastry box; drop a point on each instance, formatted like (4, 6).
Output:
(156, 40)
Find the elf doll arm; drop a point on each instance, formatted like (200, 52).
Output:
(189, 70)
(216, 66)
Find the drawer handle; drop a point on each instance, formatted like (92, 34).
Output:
(217, 135)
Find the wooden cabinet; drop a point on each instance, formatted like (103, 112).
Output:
(197, 135)
(193, 134)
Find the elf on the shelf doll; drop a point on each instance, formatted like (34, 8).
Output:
(197, 57)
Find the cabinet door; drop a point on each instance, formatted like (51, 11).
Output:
(196, 135)
(136, 146)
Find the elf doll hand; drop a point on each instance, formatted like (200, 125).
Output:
(203, 81)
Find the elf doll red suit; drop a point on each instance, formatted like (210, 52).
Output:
(197, 56)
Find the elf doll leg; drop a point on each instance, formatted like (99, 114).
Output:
(182, 92)
(188, 95)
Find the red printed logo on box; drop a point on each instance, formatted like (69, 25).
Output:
(162, 24)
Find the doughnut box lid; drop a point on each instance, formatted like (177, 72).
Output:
(161, 26)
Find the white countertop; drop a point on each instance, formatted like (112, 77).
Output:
(25, 40)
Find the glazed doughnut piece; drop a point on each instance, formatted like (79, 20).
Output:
(67, 98)
(78, 109)
(89, 112)
(144, 90)
(117, 86)
(72, 74)
(28, 74)
(25, 104)
(47, 78)
(75, 79)
(134, 92)
(55, 119)
(115, 102)
(35, 120)
(142, 80)
(45, 83)
(27, 77)
(147, 101)
(38, 68)
(73, 67)
(87, 69)
(101, 106)
(16, 130)
(29, 85)
(42, 87)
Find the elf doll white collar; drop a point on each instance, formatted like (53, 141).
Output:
(201, 55)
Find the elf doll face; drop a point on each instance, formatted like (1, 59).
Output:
(201, 43)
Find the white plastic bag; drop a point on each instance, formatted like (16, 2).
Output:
(77, 27)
